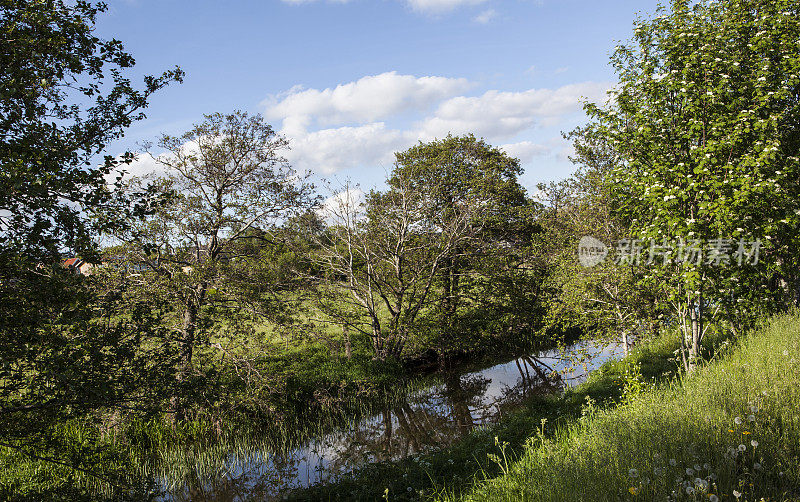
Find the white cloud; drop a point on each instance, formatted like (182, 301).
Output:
(330, 150)
(525, 151)
(365, 100)
(502, 114)
(362, 123)
(485, 16)
(440, 6)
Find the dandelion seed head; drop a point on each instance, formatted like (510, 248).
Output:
(742, 447)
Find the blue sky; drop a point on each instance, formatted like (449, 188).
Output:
(351, 81)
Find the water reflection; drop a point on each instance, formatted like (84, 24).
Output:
(425, 420)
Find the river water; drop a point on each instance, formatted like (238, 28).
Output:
(425, 420)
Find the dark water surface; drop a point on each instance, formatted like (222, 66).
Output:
(424, 420)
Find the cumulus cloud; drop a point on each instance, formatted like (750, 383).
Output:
(368, 99)
(330, 150)
(485, 16)
(335, 208)
(502, 114)
(362, 123)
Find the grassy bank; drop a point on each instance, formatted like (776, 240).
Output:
(730, 431)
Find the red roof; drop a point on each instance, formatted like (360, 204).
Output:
(70, 262)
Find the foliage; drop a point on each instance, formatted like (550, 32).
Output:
(68, 351)
(206, 250)
(478, 277)
(704, 121)
(605, 299)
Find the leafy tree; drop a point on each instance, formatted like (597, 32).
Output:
(385, 254)
(205, 247)
(461, 172)
(607, 297)
(68, 353)
(705, 120)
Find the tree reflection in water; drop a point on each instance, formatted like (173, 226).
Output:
(422, 421)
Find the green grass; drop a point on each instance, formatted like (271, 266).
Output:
(732, 427)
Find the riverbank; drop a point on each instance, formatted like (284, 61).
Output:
(455, 469)
(730, 431)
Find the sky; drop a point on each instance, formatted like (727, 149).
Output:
(350, 82)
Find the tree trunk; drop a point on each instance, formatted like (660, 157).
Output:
(625, 342)
(696, 317)
(188, 332)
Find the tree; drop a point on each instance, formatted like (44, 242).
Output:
(231, 187)
(606, 297)
(705, 120)
(461, 172)
(386, 253)
(67, 353)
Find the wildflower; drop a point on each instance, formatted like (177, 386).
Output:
(737, 494)
(713, 498)
(696, 467)
(633, 490)
(672, 462)
(754, 443)
(754, 409)
(689, 490)
(746, 433)
(730, 430)
(633, 473)
(751, 418)
(737, 421)
(742, 447)
(706, 466)
(689, 471)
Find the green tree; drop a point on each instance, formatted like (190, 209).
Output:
(68, 353)
(606, 298)
(205, 246)
(705, 120)
(475, 277)
(384, 254)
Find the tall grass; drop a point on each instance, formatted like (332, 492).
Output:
(729, 431)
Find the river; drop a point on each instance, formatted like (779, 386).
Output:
(427, 419)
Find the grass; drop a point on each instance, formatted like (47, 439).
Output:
(730, 431)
